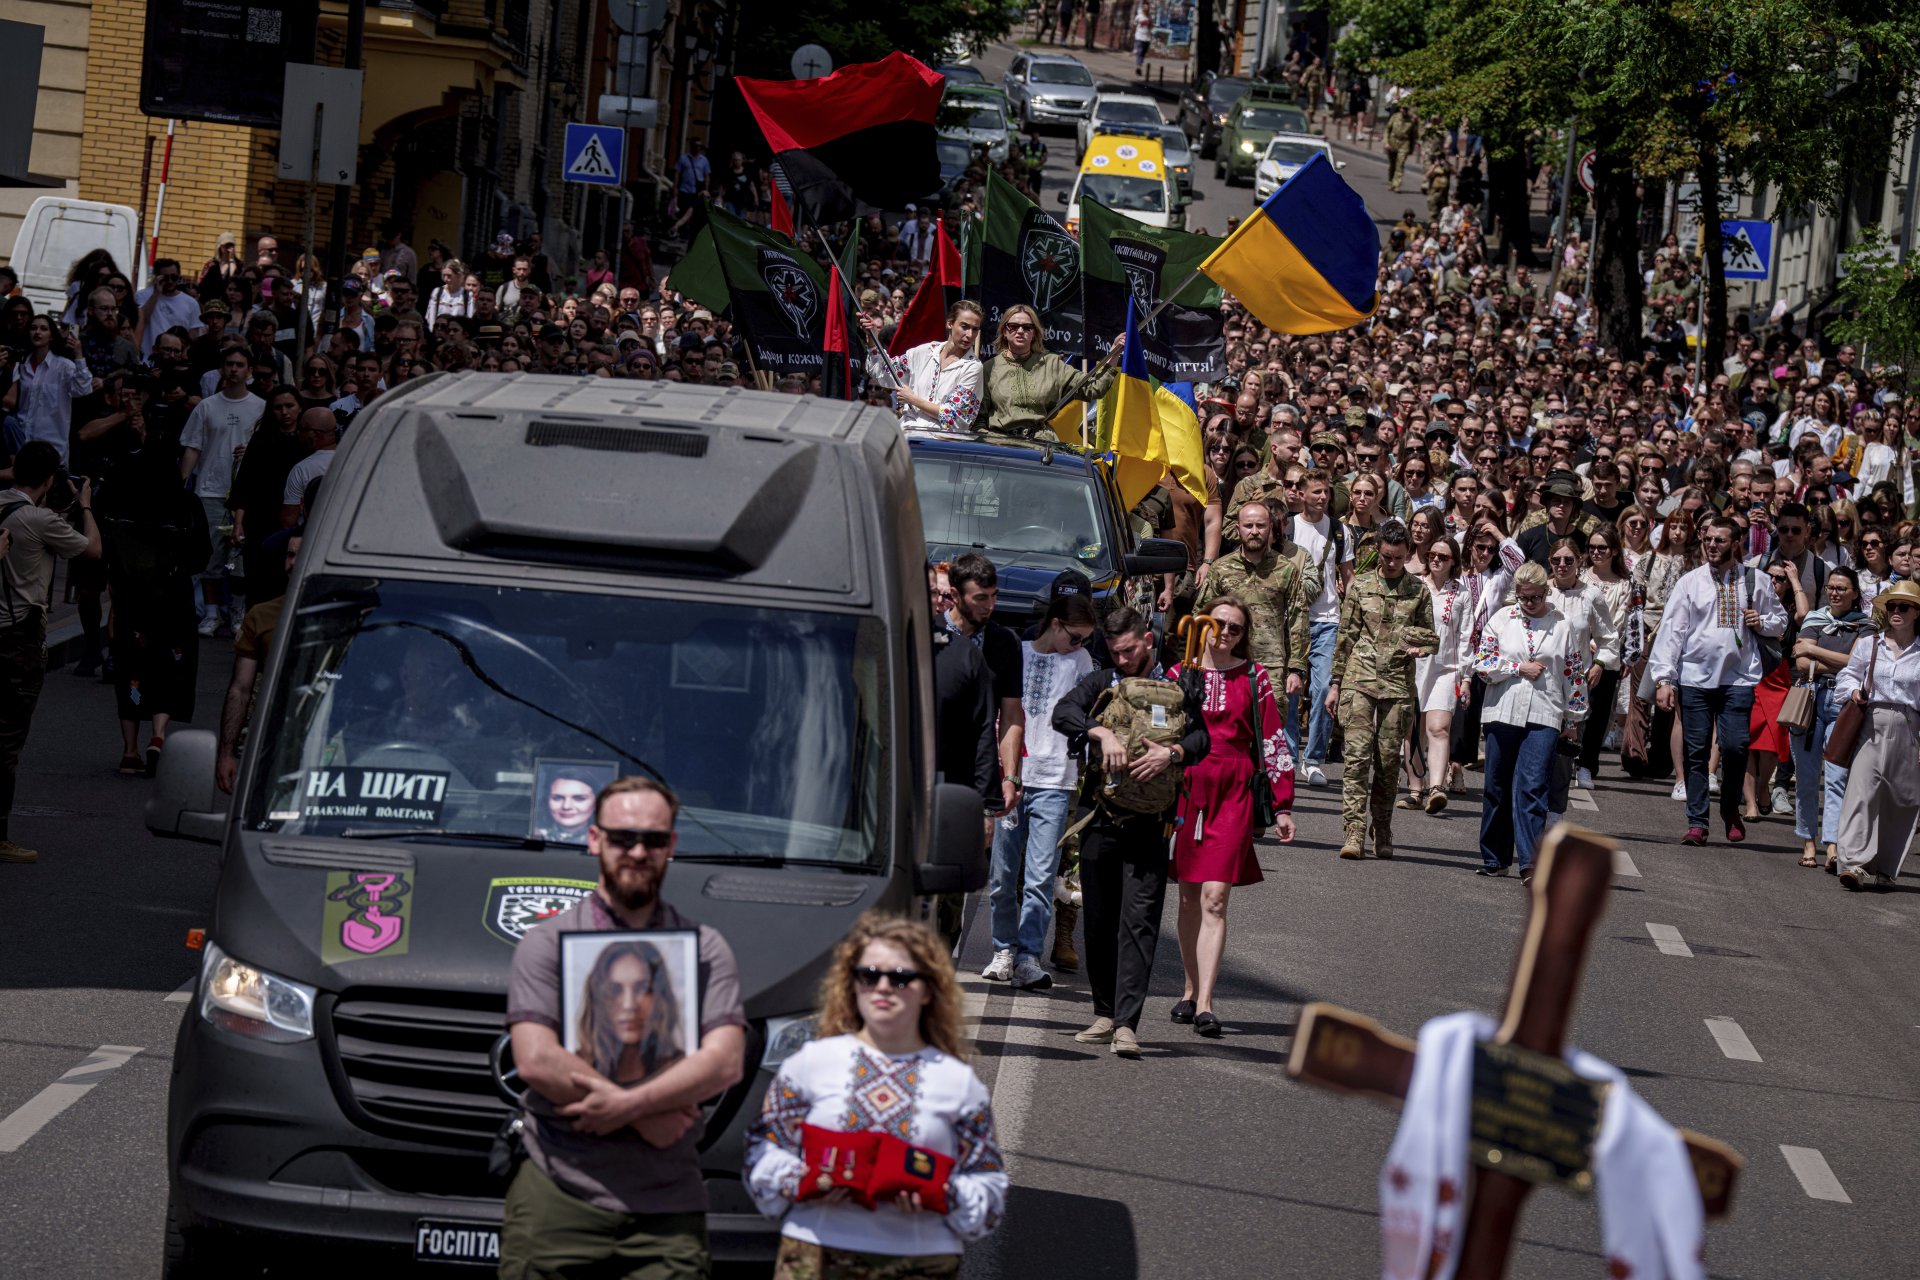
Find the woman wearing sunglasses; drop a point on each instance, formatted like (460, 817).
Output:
(1873, 558)
(1826, 640)
(1213, 843)
(1882, 802)
(1025, 383)
(876, 1145)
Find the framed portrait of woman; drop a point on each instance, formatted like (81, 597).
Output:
(564, 792)
(630, 1000)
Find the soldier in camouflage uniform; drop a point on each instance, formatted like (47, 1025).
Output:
(1386, 622)
(1270, 584)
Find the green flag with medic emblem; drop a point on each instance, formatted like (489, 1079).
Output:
(1027, 256)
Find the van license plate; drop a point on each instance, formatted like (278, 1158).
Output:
(473, 1243)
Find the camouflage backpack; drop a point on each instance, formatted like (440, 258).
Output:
(1139, 711)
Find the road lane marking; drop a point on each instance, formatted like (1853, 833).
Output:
(1581, 799)
(1732, 1040)
(36, 1112)
(1623, 864)
(1816, 1178)
(183, 993)
(1668, 939)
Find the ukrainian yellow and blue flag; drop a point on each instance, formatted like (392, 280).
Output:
(1308, 260)
(1149, 427)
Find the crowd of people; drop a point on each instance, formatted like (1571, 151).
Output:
(1467, 538)
(1461, 538)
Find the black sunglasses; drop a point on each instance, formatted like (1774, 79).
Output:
(627, 837)
(868, 976)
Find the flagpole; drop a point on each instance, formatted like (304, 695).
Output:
(1113, 353)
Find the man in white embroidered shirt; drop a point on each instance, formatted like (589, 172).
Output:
(1706, 661)
(936, 384)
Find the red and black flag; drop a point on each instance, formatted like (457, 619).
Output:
(926, 316)
(863, 135)
(836, 380)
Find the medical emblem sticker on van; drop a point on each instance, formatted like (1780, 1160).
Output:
(517, 903)
(374, 795)
(366, 914)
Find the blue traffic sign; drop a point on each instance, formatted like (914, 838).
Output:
(594, 154)
(1746, 249)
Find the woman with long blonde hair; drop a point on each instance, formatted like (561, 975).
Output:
(875, 1145)
(1025, 383)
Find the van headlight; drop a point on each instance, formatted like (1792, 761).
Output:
(1247, 146)
(786, 1037)
(251, 1002)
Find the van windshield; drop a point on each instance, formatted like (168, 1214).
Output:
(436, 711)
(1128, 195)
(1038, 517)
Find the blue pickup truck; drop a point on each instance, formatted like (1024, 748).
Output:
(1033, 509)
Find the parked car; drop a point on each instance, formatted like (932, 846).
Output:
(1284, 155)
(1049, 88)
(961, 73)
(1203, 109)
(977, 116)
(1134, 109)
(1252, 122)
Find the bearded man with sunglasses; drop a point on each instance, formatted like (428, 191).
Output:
(613, 1172)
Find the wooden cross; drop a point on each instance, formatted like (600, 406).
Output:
(1341, 1050)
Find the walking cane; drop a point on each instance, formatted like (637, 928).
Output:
(1198, 629)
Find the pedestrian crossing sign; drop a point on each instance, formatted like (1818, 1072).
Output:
(594, 154)
(1746, 249)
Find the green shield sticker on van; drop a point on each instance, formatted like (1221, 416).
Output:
(367, 913)
(517, 903)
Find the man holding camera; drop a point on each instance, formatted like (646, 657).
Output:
(36, 533)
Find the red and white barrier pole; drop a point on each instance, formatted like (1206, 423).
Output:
(159, 207)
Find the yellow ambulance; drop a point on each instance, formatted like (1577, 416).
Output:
(1128, 174)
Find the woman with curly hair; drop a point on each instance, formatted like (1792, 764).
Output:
(875, 1146)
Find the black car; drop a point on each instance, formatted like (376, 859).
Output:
(1203, 109)
(1034, 510)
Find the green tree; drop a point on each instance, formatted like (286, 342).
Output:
(1879, 303)
(1805, 99)
(770, 30)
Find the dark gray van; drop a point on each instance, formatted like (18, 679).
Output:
(514, 586)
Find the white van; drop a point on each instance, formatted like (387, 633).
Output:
(57, 232)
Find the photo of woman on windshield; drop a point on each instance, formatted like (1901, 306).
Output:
(630, 1000)
(563, 795)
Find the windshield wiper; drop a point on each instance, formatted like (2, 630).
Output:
(449, 833)
(738, 859)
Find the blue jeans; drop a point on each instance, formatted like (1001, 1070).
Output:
(1513, 802)
(1320, 642)
(1818, 787)
(1729, 709)
(1023, 902)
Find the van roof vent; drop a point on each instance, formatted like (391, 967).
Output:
(611, 439)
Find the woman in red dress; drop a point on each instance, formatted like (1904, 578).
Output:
(1213, 845)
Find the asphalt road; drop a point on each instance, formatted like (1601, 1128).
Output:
(1214, 201)
(1202, 1160)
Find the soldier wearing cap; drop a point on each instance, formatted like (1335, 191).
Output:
(1562, 494)
(1329, 451)
(1386, 622)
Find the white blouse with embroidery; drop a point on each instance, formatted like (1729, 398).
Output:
(927, 1098)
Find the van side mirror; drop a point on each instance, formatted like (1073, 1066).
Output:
(956, 843)
(1157, 556)
(185, 804)
(1059, 197)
